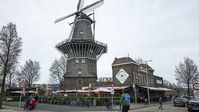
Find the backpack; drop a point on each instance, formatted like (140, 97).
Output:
(127, 99)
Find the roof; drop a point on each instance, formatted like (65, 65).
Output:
(144, 66)
(123, 60)
(158, 89)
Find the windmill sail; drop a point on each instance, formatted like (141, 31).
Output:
(85, 10)
(80, 5)
(62, 18)
(92, 6)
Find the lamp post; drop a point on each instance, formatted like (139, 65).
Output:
(135, 92)
(147, 77)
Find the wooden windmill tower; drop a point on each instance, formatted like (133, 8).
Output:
(82, 49)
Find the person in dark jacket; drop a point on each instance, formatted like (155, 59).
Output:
(160, 102)
(36, 97)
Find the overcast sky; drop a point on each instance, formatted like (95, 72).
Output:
(165, 31)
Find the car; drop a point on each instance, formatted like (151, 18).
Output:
(180, 101)
(193, 105)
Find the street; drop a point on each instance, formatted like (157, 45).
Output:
(168, 107)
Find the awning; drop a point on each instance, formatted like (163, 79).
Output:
(158, 89)
(73, 91)
(102, 89)
(23, 92)
(117, 88)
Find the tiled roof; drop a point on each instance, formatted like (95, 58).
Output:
(123, 60)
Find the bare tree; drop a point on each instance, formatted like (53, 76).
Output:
(30, 71)
(57, 70)
(10, 78)
(10, 49)
(167, 83)
(187, 73)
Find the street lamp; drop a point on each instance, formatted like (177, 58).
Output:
(135, 92)
(147, 77)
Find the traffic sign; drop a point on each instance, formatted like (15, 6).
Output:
(196, 93)
(196, 86)
(55, 89)
(22, 84)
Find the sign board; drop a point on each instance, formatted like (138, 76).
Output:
(55, 89)
(22, 82)
(122, 75)
(196, 86)
(196, 89)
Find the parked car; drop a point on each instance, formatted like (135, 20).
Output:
(193, 105)
(180, 101)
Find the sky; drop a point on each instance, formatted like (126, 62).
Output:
(164, 31)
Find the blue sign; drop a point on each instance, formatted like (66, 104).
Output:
(55, 89)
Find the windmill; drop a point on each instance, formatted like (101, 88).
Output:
(81, 13)
(82, 49)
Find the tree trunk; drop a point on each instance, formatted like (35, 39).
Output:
(2, 87)
(188, 91)
(9, 85)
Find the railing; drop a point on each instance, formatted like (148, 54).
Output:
(69, 40)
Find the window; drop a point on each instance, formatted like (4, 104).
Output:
(76, 60)
(81, 32)
(79, 82)
(83, 60)
(79, 72)
(158, 81)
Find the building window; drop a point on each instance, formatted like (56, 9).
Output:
(79, 82)
(79, 72)
(142, 81)
(158, 81)
(76, 60)
(83, 60)
(81, 32)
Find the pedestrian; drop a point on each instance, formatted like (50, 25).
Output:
(36, 97)
(125, 101)
(145, 101)
(160, 102)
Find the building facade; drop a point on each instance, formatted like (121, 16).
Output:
(138, 77)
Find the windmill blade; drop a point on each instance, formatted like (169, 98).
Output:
(80, 5)
(92, 6)
(62, 18)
